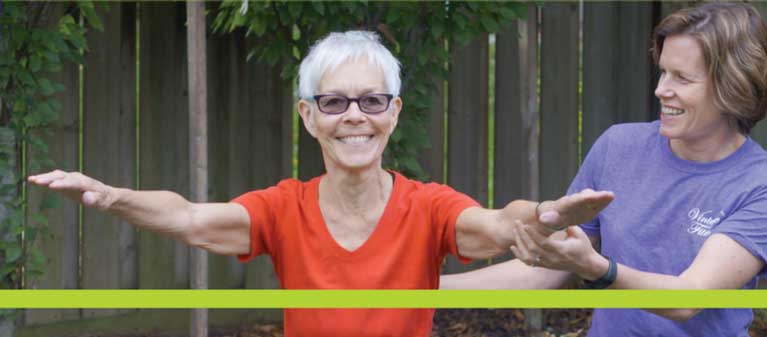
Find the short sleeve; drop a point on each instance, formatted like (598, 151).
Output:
(748, 226)
(589, 175)
(263, 207)
(447, 204)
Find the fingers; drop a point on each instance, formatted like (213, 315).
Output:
(73, 185)
(46, 178)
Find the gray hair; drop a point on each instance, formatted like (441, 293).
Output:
(335, 49)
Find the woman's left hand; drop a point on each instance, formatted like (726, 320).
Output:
(573, 253)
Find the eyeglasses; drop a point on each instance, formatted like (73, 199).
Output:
(371, 104)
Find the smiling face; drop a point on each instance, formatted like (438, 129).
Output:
(352, 140)
(688, 114)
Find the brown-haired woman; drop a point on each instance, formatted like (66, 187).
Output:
(691, 188)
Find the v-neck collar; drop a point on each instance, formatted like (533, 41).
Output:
(384, 222)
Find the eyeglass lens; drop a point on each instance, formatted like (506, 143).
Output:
(371, 103)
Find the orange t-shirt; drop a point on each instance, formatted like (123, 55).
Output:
(405, 251)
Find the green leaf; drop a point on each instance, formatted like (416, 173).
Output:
(490, 25)
(35, 63)
(49, 201)
(46, 88)
(319, 7)
(91, 17)
(13, 253)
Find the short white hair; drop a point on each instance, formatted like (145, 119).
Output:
(335, 49)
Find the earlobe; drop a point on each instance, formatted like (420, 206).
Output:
(305, 111)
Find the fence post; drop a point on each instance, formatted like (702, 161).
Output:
(198, 146)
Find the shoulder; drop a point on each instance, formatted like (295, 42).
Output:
(286, 188)
(414, 190)
(631, 133)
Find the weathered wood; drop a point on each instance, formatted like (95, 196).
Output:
(261, 156)
(559, 98)
(145, 323)
(468, 126)
(432, 159)
(310, 163)
(511, 147)
(512, 123)
(198, 147)
(227, 96)
(61, 249)
(528, 45)
(164, 135)
(109, 259)
(617, 83)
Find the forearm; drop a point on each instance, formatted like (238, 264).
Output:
(163, 212)
(507, 275)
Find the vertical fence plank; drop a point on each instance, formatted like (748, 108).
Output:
(164, 135)
(512, 171)
(432, 160)
(61, 249)
(468, 126)
(310, 162)
(511, 148)
(227, 96)
(559, 98)
(617, 84)
(109, 149)
(265, 147)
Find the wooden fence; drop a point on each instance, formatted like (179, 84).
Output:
(141, 141)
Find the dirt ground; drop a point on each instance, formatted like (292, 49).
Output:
(496, 323)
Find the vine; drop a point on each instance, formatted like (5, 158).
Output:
(416, 33)
(33, 46)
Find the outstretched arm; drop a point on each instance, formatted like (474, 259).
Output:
(721, 263)
(483, 233)
(222, 228)
(512, 274)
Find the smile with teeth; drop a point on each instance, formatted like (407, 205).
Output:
(671, 111)
(355, 139)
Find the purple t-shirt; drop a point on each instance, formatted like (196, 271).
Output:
(664, 209)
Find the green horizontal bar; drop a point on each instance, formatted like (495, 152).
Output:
(171, 299)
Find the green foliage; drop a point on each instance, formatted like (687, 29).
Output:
(418, 34)
(33, 45)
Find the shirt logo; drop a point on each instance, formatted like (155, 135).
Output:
(701, 223)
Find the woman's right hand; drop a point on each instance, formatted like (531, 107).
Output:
(78, 187)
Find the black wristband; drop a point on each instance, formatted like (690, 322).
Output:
(606, 280)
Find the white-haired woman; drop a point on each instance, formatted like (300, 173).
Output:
(356, 227)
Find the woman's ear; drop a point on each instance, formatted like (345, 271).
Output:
(305, 110)
(396, 106)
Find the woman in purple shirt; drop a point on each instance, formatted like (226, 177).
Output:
(690, 209)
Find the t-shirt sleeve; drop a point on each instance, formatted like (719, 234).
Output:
(748, 226)
(589, 174)
(263, 206)
(447, 204)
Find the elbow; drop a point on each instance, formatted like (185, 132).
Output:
(192, 231)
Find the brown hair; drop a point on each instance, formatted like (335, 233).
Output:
(733, 38)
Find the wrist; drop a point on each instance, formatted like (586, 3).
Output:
(606, 280)
(596, 267)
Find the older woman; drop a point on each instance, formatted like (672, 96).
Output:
(356, 227)
(691, 211)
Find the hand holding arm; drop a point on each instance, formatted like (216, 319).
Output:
(483, 233)
(222, 228)
(721, 263)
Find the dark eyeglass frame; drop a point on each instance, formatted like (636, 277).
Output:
(349, 101)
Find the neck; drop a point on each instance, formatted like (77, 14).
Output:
(709, 148)
(356, 191)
